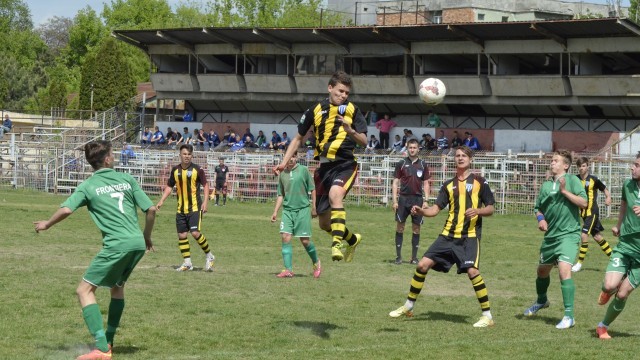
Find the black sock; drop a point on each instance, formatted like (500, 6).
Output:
(415, 243)
(399, 244)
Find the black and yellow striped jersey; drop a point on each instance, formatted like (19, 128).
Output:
(460, 195)
(591, 186)
(187, 182)
(332, 142)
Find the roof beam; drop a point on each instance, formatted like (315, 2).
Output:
(633, 28)
(214, 34)
(277, 42)
(331, 39)
(384, 35)
(130, 41)
(172, 39)
(465, 34)
(555, 37)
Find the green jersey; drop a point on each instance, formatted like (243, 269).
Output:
(295, 185)
(630, 229)
(111, 198)
(562, 216)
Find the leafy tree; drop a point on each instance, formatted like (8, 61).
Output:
(107, 72)
(87, 32)
(55, 33)
(14, 15)
(137, 14)
(634, 13)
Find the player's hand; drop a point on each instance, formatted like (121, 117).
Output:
(563, 183)
(607, 201)
(279, 168)
(615, 231)
(636, 210)
(394, 206)
(149, 245)
(471, 213)
(416, 210)
(314, 213)
(274, 217)
(159, 205)
(542, 225)
(41, 225)
(203, 209)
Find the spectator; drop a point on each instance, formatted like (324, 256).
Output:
(408, 135)
(261, 141)
(248, 143)
(372, 145)
(275, 139)
(443, 142)
(431, 143)
(146, 136)
(247, 132)
(158, 137)
(396, 147)
(169, 134)
(284, 144)
(371, 116)
(6, 126)
(225, 136)
(186, 137)
(471, 142)
(385, 125)
(231, 140)
(433, 119)
(213, 139)
(201, 140)
(126, 154)
(187, 117)
(174, 139)
(456, 140)
(238, 145)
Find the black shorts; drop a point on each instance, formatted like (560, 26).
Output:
(592, 225)
(221, 187)
(446, 251)
(338, 173)
(405, 203)
(188, 222)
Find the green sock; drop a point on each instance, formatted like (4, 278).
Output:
(568, 288)
(116, 307)
(287, 255)
(614, 309)
(93, 319)
(542, 284)
(311, 250)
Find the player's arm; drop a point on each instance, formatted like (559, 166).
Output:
(149, 220)
(483, 211)
(394, 193)
(314, 213)
(607, 197)
(578, 200)
(61, 214)
(431, 211)
(621, 214)
(360, 138)
(165, 193)
(205, 201)
(295, 143)
(426, 188)
(276, 208)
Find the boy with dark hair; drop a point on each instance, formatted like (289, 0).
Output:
(112, 199)
(591, 215)
(340, 128)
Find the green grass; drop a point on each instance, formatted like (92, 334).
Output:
(242, 311)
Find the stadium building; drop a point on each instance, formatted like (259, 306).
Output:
(526, 84)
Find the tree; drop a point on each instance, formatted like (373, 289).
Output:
(108, 74)
(634, 11)
(14, 16)
(87, 32)
(55, 33)
(137, 14)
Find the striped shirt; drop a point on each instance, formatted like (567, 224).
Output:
(187, 182)
(473, 192)
(591, 186)
(332, 142)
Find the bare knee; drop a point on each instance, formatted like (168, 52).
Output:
(195, 234)
(399, 227)
(472, 272)
(543, 271)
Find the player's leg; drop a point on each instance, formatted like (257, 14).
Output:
(618, 267)
(217, 191)
(415, 238)
(584, 248)
(287, 255)
(542, 285)
(92, 315)
(604, 244)
(467, 259)
(182, 226)
(195, 222)
(224, 195)
(116, 308)
(568, 288)
(439, 256)
(399, 239)
(302, 230)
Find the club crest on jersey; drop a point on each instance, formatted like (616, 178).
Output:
(419, 173)
(469, 187)
(342, 109)
(586, 183)
(302, 118)
(189, 173)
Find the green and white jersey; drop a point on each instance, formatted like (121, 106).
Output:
(295, 186)
(630, 229)
(111, 198)
(563, 217)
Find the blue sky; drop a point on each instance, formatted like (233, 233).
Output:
(41, 10)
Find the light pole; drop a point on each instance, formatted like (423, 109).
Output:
(91, 114)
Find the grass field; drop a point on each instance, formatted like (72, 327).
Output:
(242, 311)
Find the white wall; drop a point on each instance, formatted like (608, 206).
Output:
(630, 145)
(522, 140)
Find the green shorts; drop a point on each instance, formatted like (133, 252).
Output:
(626, 261)
(109, 269)
(296, 222)
(562, 249)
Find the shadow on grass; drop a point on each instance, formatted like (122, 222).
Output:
(546, 319)
(320, 329)
(80, 349)
(440, 316)
(127, 349)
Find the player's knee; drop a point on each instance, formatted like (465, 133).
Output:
(195, 234)
(400, 227)
(472, 272)
(597, 237)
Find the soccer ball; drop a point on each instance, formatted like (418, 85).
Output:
(432, 91)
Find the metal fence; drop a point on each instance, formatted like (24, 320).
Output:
(514, 178)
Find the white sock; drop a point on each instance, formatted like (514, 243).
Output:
(487, 314)
(601, 324)
(210, 255)
(409, 304)
(187, 261)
